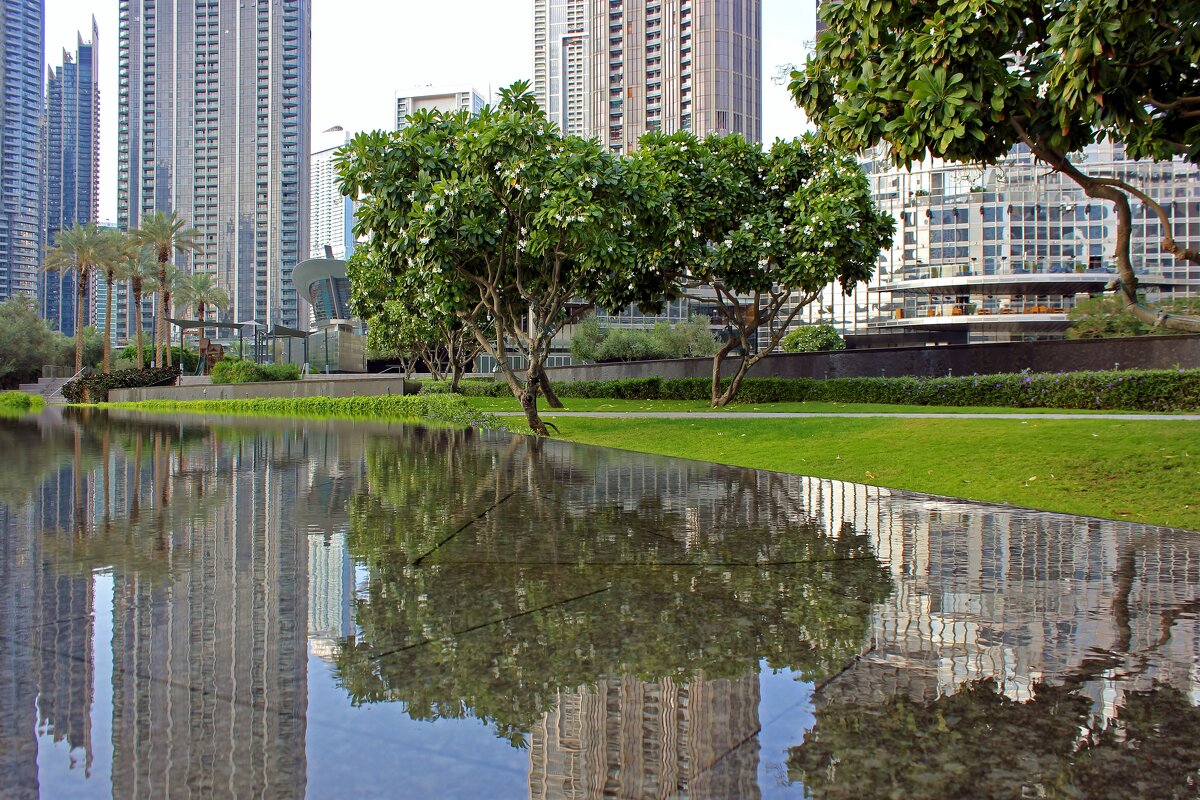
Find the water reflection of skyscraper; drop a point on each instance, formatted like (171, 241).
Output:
(1017, 597)
(209, 684)
(649, 739)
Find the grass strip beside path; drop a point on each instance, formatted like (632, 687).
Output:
(603, 404)
(1139, 471)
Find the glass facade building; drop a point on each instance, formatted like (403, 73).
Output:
(72, 169)
(22, 106)
(1004, 252)
(214, 125)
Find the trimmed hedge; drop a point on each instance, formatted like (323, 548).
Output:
(1125, 390)
(95, 388)
(446, 408)
(21, 402)
(235, 371)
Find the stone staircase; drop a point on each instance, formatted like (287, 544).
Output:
(46, 387)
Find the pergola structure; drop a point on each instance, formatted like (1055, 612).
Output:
(278, 332)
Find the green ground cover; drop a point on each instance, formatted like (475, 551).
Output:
(20, 402)
(496, 404)
(1143, 471)
(450, 409)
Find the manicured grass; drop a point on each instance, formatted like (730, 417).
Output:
(603, 404)
(1138, 470)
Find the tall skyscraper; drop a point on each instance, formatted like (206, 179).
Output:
(22, 106)
(331, 213)
(214, 125)
(616, 69)
(441, 98)
(72, 166)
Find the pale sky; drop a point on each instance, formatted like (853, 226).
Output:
(364, 51)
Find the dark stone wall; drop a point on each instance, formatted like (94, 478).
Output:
(1146, 352)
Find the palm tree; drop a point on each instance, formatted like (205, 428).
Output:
(81, 248)
(110, 265)
(167, 284)
(165, 234)
(140, 269)
(200, 290)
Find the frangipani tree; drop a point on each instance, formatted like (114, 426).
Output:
(762, 233)
(503, 223)
(967, 81)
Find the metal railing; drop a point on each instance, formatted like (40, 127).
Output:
(58, 391)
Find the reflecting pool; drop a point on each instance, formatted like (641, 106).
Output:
(229, 607)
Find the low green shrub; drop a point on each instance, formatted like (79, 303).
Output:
(1126, 390)
(95, 388)
(281, 372)
(20, 402)
(812, 339)
(232, 370)
(481, 387)
(447, 408)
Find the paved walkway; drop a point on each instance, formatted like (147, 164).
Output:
(549, 413)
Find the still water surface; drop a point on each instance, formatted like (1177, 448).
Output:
(201, 607)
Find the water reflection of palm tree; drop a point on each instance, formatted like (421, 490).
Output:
(132, 542)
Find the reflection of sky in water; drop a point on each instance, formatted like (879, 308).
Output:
(786, 714)
(63, 772)
(283, 537)
(381, 752)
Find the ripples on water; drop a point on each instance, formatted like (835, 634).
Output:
(232, 607)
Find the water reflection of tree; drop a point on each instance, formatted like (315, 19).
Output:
(546, 592)
(978, 743)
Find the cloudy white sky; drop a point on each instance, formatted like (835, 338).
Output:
(366, 50)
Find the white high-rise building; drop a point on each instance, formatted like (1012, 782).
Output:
(440, 98)
(331, 214)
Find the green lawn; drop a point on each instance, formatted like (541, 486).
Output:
(1141, 471)
(602, 404)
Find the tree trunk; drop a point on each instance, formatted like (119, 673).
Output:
(528, 398)
(1118, 194)
(80, 299)
(160, 316)
(456, 373)
(108, 303)
(167, 331)
(543, 383)
(722, 399)
(137, 324)
(718, 360)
